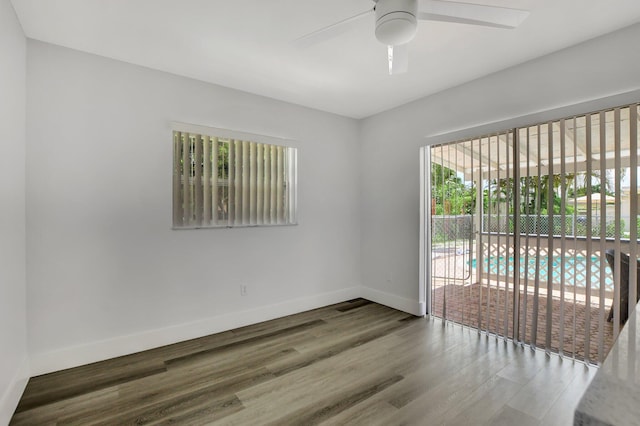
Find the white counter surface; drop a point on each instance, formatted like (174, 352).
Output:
(613, 397)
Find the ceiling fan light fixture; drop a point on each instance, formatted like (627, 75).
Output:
(396, 21)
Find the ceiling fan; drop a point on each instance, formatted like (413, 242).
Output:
(396, 23)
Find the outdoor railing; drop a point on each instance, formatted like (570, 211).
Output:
(458, 227)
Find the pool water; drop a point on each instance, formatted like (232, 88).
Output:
(575, 269)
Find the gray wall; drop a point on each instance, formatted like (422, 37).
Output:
(13, 346)
(107, 275)
(578, 79)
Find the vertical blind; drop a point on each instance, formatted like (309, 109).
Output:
(226, 182)
(555, 249)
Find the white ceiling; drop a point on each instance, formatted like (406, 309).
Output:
(249, 44)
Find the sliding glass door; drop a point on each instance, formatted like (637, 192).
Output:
(532, 231)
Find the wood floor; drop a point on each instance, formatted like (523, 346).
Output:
(356, 362)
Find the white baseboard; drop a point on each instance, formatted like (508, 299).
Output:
(74, 356)
(98, 351)
(410, 306)
(12, 395)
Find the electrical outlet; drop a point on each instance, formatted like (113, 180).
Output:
(243, 289)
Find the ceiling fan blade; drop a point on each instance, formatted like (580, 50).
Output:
(331, 31)
(398, 58)
(473, 14)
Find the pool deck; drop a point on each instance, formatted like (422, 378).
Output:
(471, 303)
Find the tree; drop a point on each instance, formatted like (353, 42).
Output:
(451, 194)
(582, 181)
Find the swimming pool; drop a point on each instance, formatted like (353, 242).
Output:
(575, 269)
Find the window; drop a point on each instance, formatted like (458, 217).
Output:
(225, 181)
